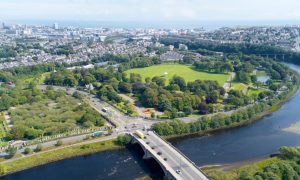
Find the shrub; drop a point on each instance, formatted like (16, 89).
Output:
(123, 140)
(59, 143)
(11, 151)
(27, 150)
(39, 148)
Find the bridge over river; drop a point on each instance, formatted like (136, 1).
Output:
(174, 164)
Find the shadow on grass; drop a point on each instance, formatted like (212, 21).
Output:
(208, 72)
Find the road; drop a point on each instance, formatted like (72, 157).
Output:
(50, 144)
(119, 119)
(230, 79)
(124, 123)
(176, 162)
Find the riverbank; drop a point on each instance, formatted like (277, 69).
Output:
(231, 166)
(233, 171)
(44, 157)
(294, 128)
(283, 166)
(254, 119)
(84, 149)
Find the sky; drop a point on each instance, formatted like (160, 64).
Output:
(151, 10)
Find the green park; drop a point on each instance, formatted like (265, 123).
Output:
(187, 72)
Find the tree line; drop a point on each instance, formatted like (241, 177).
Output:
(230, 48)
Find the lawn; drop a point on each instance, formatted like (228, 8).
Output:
(255, 91)
(177, 69)
(239, 87)
(261, 73)
(39, 79)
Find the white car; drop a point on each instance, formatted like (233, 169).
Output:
(178, 171)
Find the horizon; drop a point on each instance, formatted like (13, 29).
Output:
(210, 25)
(191, 13)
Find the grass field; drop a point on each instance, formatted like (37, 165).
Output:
(239, 87)
(37, 79)
(181, 70)
(255, 91)
(261, 73)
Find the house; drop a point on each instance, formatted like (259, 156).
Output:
(171, 56)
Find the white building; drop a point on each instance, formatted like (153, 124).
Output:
(183, 47)
(55, 26)
(171, 56)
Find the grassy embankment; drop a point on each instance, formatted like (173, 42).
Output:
(285, 166)
(45, 157)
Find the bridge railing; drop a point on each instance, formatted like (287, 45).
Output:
(188, 159)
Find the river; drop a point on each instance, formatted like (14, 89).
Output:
(259, 139)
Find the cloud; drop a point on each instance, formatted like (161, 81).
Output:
(150, 10)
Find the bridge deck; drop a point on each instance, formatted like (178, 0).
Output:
(175, 160)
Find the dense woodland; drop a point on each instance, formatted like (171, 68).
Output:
(208, 47)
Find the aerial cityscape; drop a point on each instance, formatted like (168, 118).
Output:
(149, 90)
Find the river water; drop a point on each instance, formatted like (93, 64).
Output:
(259, 139)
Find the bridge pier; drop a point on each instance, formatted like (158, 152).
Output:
(148, 155)
(175, 165)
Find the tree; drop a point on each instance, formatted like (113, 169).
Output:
(27, 150)
(11, 151)
(164, 103)
(227, 67)
(153, 115)
(69, 80)
(125, 87)
(78, 95)
(18, 131)
(149, 98)
(91, 116)
(59, 143)
(88, 79)
(212, 97)
(123, 140)
(173, 87)
(160, 81)
(179, 81)
(39, 148)
(253, 78)
(243, 77)
(188, 110)
(203, 108)
(189, 59)
(134, 78)
(33, 133)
